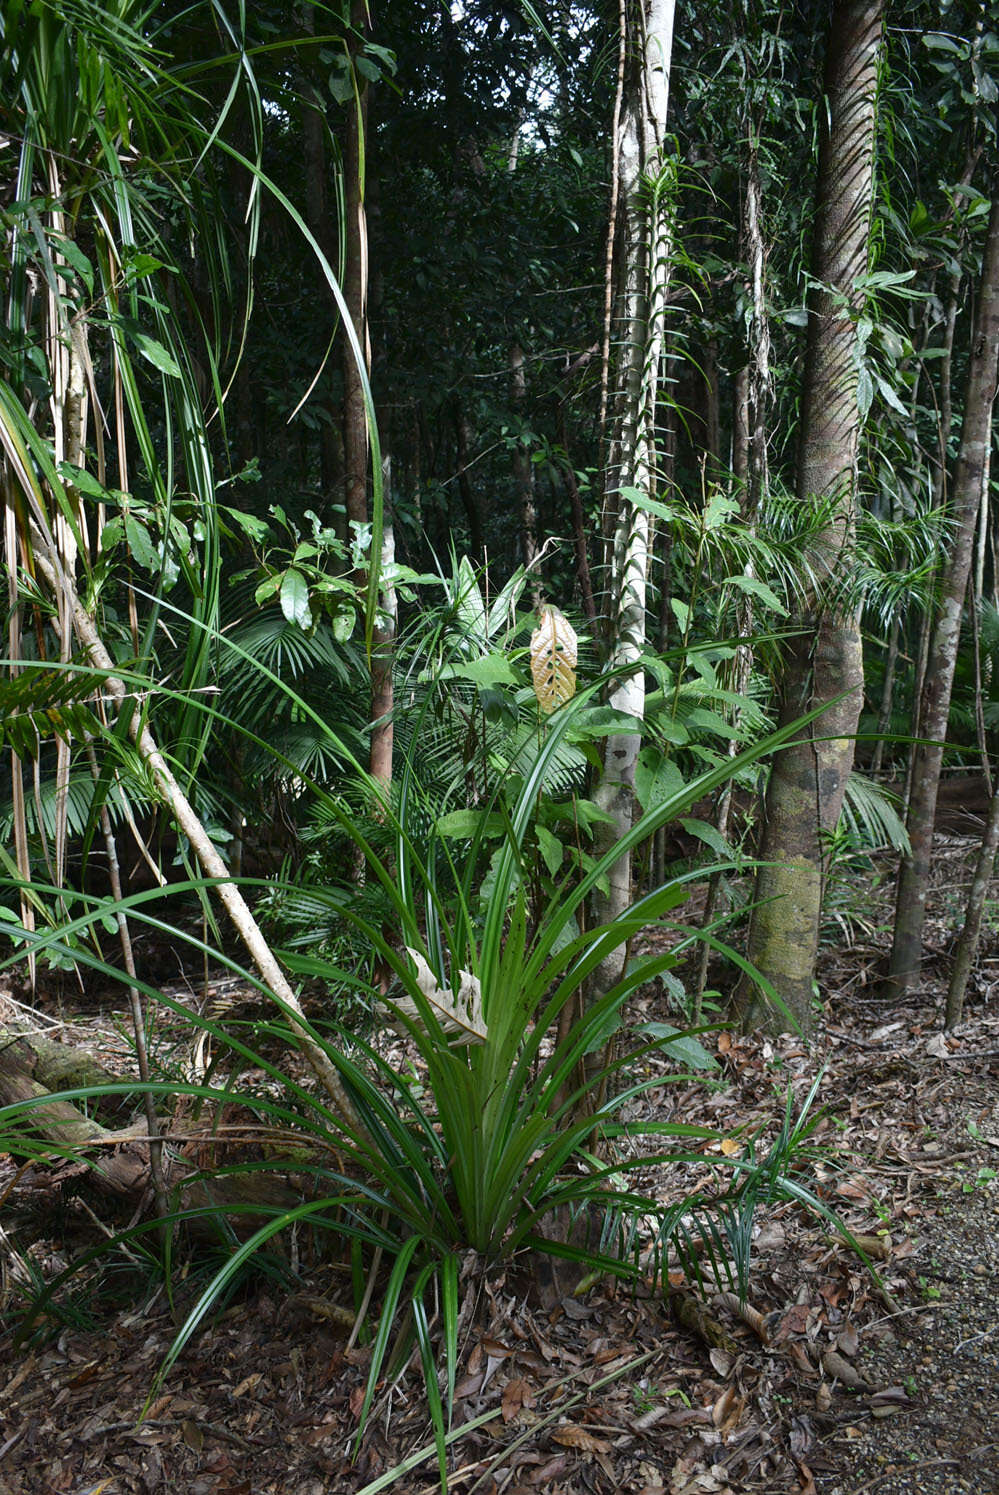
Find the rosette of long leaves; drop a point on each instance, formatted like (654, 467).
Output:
(484, 1146)
(475, 1151)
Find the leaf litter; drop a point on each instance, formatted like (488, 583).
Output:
(826, 1379)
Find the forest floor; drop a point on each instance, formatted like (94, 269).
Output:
(839, 1383)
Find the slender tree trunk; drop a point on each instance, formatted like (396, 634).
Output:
(887, 695)
(939, 498)
(824, 663)
(355, 293)
(579, 538)
(966, 493)
(976, 599)
(469, 500)
(749, 472)
(523, 471)
(62, 585)
(317, 214)
(632, 466)
(967, 944)
(355, 424)
(383, 646)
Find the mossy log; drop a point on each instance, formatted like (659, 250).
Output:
(32, 1067)
(57, 1066)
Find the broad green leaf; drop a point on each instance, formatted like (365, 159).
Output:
(710, 721)
(75, 257)
(156, 354)
(550, 847)
(936, 41)
(719, 510)
(795, 316)
(252, 527)
(491, 669)
(642, 501)
(605, 721)
(81, 479)
(683, 1045)
(462, 825)
(656, 777)
(704, 831)
(681, 612)
(889, 396)
(295, 598)
(469, 606)
(141, 545)
(756, 588)
(267, 589)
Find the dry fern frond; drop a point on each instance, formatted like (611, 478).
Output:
(554, 648)
(459, 1015)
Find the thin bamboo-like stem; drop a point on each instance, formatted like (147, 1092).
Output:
(202, 845)
(160, 1190)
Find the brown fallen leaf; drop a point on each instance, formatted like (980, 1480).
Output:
(192, 1434)
(848, 1340)
(895, 1396)
(516, 1394)
(839, 1369)
(799, 1354)
(571, 1436)
(493, 1349)
(727, 1410)
(807, 1486)
(248, 1383)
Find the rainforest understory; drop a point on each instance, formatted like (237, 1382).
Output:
(834, 1376)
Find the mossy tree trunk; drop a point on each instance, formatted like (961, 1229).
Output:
(824, 663)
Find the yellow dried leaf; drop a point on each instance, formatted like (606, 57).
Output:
(571, 1436)
(554, 650)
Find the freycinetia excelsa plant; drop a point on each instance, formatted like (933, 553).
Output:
(485, 1149)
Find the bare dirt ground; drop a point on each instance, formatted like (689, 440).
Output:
(828, 1380)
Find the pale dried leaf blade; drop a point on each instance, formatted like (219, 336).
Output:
(554, 651)
(460, 1015)
(572, 1436)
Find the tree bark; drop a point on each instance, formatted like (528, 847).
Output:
(824, 663)
(579, 539)
(523, 474)
(355, 292)
(383, 647)
(967, 944)
(645, 188)
(966, 493)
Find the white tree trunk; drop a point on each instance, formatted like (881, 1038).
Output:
(645, 191)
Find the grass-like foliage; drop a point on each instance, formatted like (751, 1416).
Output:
(502, 1132)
